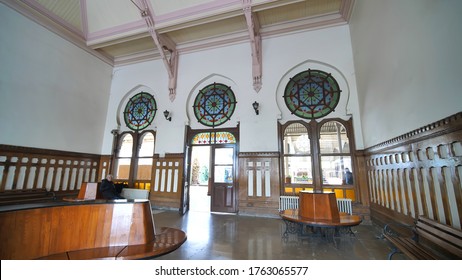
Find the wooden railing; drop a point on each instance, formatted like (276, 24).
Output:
(24, 168)
(418, 174)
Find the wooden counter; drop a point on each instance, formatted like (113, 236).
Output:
(96, 229)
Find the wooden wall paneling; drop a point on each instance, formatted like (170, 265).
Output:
(418, 173)
(59, 171)
(167, 181)
(362, 191)
(258, 181)
(105, 167)
(455, 175)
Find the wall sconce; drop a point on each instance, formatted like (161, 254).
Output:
(167, 116)
(256, 105)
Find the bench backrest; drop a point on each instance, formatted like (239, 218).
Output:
(89, 191)
(445, 237)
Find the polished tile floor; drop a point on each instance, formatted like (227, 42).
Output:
(234, 237)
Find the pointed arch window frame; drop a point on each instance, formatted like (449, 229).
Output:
(318, 184)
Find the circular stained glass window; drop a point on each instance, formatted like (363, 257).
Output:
(140, 111)
(312, 94)
(214, 104)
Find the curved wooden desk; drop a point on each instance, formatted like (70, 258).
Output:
(329, 228)
(97, 229)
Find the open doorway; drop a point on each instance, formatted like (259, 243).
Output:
(210, 173)
(199, 192)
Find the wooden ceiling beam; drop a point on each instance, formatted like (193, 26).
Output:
(253, 26)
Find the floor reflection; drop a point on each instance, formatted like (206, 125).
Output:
(234, 237)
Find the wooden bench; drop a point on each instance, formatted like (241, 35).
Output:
(10, 197)
(430, 241)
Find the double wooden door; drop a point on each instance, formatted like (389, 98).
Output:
(221, 181)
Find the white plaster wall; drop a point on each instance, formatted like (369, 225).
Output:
(53, 94)
(408, 64)
(326, 49)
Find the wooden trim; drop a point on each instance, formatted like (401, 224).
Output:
(38, 151)
(258, 154)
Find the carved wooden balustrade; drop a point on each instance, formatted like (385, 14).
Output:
(418, 173)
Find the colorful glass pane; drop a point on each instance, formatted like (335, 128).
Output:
(207, 138)
(312, 94)
(224, 137)
(140, 111)
(214, 104)
(201, 139)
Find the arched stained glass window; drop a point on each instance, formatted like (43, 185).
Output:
(214, 104)
(312, 94)
(140, 111)
(207, 138)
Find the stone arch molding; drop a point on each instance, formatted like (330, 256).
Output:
(210, 79)
(123, 102)
(342, 109)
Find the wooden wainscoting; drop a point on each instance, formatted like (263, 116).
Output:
(418, 173)
(259, 183)
(167, 181)
(58, 171)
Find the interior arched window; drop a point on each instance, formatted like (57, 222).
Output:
(145, 156)
(297, 155)
(134, 158)
(318, 156)
(124, 157)
(335, 154)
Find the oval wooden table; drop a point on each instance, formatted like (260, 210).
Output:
(328, 228)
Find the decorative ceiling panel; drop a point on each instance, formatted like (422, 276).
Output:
(300, 10)
(69, 11)
(212, 29)
(114, 29)
(110, 14)
(162, 7)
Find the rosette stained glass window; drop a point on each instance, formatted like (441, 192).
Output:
(140, 111)
(312, 94)
(214, 104)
